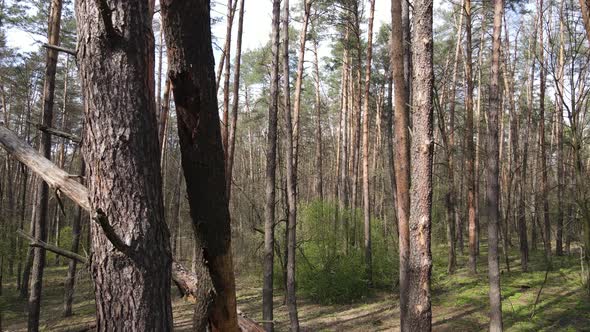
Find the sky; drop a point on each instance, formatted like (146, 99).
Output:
(257, 25)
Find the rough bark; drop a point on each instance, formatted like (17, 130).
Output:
(402, 158)
(131, 262)
(420, 310)
(189, 42)
(493, 190)
(42, 202)
(270, 180)
(366, 176)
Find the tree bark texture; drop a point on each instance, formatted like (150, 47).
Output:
(121, 149)
(420, 312)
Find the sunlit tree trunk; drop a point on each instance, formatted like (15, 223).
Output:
(422, 148)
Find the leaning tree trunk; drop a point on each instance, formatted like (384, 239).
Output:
(420, 309)
(402, 158)
(131, 264)
(42, 188)
(189, 42)
(493, 174)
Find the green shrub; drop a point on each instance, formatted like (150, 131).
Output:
(331, 271)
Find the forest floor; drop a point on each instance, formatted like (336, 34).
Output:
(460, 301)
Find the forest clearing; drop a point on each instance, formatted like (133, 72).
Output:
(294, 165)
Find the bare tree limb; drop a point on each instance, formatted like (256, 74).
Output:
(56, 132)
(62, 252)
(60, 49)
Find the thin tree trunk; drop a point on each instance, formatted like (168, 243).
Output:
(319, 185)
(227, 71)
(470, 144)
(236, 99)
(493, 190)
(299, 81)
(544, 180)
(560, 137)
(420, 312)
(402, 158)
(366, 119)
(291, 175)
(71, 277)
(271, 165)
(42, 202)
(124, 187)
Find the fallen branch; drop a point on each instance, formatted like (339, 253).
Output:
(55, 177)
(55, 132)
(48, 171)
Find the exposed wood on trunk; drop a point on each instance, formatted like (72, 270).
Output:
(422, 148)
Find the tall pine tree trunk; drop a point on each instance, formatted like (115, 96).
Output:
(366, 176)
(131, 261)
(493, 174)
(420, 308)
(270, 179)
(402, 158)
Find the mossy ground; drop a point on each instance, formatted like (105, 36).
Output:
(460, 301)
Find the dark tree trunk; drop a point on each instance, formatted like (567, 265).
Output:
(189, 43)
(420, 310)
(45, 149)
(493, 174)
(131, 268)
